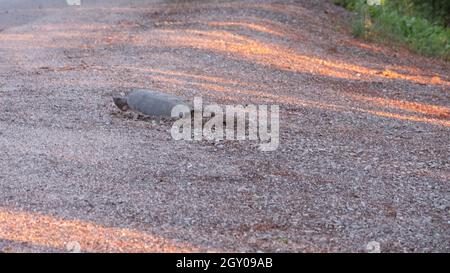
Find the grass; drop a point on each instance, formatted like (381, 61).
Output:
(387, 22)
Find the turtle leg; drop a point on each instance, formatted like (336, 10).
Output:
(156, 120)
(135, 116)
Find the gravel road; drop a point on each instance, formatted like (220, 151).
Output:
(364, 152)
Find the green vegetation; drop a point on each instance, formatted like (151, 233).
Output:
(423, 25)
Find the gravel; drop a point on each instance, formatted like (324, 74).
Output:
(364, 137)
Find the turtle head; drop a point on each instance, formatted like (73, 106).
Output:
(121, 103)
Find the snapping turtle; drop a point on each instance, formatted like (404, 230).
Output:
(149, 103)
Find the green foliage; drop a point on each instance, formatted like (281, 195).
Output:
(421, 24)
(436, 11)
(348, 4)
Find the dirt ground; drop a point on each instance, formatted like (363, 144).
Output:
(364, 153)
